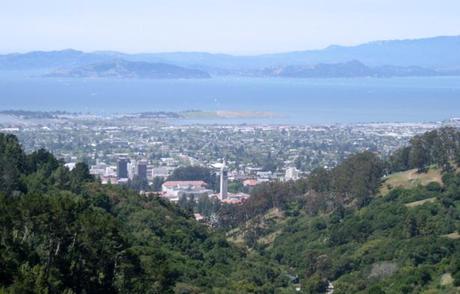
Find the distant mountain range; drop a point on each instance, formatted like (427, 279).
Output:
(130, 69)
(352, 69)
(429, 56)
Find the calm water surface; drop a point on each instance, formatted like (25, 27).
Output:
(294, 100)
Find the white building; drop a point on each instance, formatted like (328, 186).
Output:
(98, 170)
(169, 161)
(264, 176)
(173, 190)
(70, 165)
(162, 171)
(107, 173)
(132, 168)
(292, 173)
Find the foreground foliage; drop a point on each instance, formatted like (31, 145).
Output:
(333, 228)
(388, 245)
(62, 232)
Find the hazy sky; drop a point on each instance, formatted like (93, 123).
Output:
(231, 26)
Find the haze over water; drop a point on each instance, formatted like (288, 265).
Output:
(297, 101)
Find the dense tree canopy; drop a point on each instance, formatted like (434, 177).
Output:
(396, 244)
(62, 232)
(440, 147)
(352, 182)
(332, 226)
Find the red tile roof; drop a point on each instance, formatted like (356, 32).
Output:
(250, 182)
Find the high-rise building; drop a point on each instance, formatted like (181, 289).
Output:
(142, 169)
(223, 182)
(132, 169)
(122, 168)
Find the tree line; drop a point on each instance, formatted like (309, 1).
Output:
(352, 183)
(63, 232)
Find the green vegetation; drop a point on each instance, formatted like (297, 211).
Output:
(62, 232)
(410, 179)
(385, 245)
(353, 182)
(440, 147)
(331, 227)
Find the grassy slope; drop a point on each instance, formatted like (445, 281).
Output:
(268, 227)
(270, 224)
(410, 179)
(291, 239)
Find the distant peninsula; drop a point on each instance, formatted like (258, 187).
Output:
(130, 70)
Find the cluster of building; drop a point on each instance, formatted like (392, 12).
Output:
(122, 172)
(123, 148)
(126, 170)
(174, 190)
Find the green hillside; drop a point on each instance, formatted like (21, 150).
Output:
(332, 229)
(410, 179)
(404, 242)
(62, 232)
(348, 229)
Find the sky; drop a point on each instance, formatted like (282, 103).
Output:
(218, 26)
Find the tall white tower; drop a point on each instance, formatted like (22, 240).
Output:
(223, 182)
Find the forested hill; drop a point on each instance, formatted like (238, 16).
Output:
(440, 147)
(62, 232)
(353, 182)
(337, 227)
